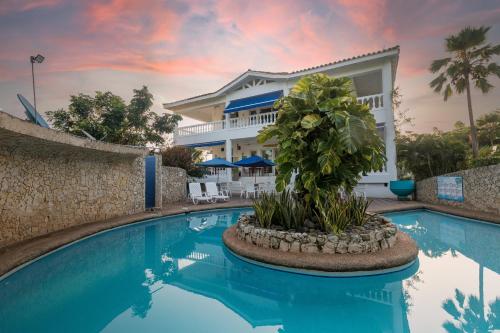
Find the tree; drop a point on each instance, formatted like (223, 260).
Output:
(325, 135)
(470, 61)
(107, 118)
(488, 127)
(428, 155)
(182, 157)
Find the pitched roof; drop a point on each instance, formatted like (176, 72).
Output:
(280, 74)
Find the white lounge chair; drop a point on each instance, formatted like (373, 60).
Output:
(213, 192)
(248, 190)
(197, 195)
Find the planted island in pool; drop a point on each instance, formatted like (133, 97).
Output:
(329, 140)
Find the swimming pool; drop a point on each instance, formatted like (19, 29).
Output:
(173, 275)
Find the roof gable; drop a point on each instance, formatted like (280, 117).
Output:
(252, 75)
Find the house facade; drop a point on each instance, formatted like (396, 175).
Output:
(232, 116)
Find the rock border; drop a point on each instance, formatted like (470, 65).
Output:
(401, 255)
(377, 234)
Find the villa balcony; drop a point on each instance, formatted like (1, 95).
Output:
(245, 127)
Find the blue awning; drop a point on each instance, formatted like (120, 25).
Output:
(206, 144)
(217, 163)
(257, 101)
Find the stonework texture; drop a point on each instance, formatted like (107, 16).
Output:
(377, 234)
(47, 190)
(481, 189)
(173, 185)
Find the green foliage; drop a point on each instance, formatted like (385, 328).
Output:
(336, 214)
(182, 157)
(488, 127)
(287, 211)
(108, 118)
(265, 207)
(325, 135)
(428, 155)
(470, 62)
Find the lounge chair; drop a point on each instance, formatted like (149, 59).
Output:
(249, 189)
(197, 195)
(213, 192)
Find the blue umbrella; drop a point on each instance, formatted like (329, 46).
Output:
(217, 163)
(254, 162)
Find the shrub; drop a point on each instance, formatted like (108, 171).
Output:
(265, 207)
(182, 157)
(324, 135)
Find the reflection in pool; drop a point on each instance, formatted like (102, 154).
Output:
(174, 275)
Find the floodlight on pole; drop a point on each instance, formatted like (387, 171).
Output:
(38, 59)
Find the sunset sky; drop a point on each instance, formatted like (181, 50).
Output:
(184, 48)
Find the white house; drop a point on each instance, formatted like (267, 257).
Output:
(233, 115)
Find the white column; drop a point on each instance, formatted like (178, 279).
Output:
(229, 157)
(390, 132)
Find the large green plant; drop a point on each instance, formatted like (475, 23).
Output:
(470, 62)
(108, 118)
(324, 135)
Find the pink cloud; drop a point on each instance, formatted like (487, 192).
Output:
(11, 6)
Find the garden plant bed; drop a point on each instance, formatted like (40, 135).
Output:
(374, 247)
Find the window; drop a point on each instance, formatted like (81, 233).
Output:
(234, 115)
(267, 110)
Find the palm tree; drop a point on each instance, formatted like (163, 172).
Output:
(470, 61)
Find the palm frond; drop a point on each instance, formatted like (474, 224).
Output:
(483, 85)
(438, 64)
(447, 92)
(467, 38)
(438, 82)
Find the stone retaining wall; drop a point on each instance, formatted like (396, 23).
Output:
(481, 189)
(51, 180)
(375, 235)
(173, 185)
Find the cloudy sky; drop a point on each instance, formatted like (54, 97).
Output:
(184, 48)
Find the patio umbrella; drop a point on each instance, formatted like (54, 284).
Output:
(254, 162)
(217, 163)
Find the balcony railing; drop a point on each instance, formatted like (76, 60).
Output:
(375, 102)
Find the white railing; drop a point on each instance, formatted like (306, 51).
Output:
(200, 129)
(255, 120)
(375, 102)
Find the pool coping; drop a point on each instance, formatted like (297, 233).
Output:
(19, 254)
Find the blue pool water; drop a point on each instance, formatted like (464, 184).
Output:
(174, 275)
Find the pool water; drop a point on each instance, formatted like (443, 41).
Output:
(173, 274)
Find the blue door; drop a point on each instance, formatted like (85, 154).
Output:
(150, 168)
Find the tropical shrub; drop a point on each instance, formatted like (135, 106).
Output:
(331, 213)
(325, 136)
(182, 157)
(265, 207)
(335, 214)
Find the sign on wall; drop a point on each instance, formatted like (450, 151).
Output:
(450, 188)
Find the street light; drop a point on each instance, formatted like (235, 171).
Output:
(38, 59)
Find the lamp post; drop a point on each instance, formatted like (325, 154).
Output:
(38, 59)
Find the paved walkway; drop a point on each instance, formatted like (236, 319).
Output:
(16, 254)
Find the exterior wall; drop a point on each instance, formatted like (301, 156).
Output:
(481, 188)
(374, 184)
(173, 185)
(51, 180)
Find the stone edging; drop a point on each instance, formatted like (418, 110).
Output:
(377, 234)
(403, 253)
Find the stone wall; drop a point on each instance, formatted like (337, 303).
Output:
(481, 189)
(173, 185)
(50, 180)
(377, 234)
